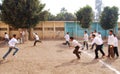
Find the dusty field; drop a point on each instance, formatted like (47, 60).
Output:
(51, 57)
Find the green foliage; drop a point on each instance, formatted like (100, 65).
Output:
(84, 16)
(22, 13)
(62, 16)
(109, 17)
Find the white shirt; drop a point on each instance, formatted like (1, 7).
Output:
(99, 35)
(76, 43)
(97, 41)
(111, 40)
(12, 42)
(95, 33)
(115, 42)
(86, 37)
(6, 36)
(67, 37)
(36, 37)
(23, 33)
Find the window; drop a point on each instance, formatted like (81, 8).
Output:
(3, 29)
(38, 28)
(59, 28)
(49, 29)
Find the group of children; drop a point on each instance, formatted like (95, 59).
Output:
(13, 41)
(97, 41)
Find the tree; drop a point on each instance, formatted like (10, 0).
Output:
(109, 17)
(65, 16)
(85, 16)
(22, 13)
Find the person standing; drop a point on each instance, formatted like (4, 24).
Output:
(111, 41)
(116, 46)
(99, 44)
(37, 39)
(67, 38)
(23, 36)
(76, 45)
(99, 35)
(12, 44)
(85, 43)
(6, 37)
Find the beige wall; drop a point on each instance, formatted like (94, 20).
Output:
(45, 30)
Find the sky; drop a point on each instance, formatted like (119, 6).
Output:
(54, 6)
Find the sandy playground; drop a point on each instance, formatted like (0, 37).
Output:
(51, 57)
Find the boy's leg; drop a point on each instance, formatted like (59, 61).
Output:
(10, 49)
(101, 50)
(96, 51)
(109, 51)
(116, 51)
(87, 45)
(35, 42)
(76, 52)
(16, 50)
(68, 43)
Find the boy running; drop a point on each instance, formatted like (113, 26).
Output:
(12, 44)
(76, 45)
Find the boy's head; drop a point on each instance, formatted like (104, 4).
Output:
(71, 38)
(110, 32)
(99, 33)
(93, 36)
(14, 35)
(114, 35)
(67, 32)
(5, 32)
(95, 31)
(85, 32)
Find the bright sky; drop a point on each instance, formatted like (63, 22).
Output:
(73, 5)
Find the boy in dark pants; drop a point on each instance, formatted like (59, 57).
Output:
(12, 44)
(67, 38)
(77, 46)
(99, 44)
(116, 46)
(37, 39)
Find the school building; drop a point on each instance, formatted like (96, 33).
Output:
(56, 29)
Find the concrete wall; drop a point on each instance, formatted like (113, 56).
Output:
(45, 30)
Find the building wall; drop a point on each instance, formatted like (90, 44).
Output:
(75, 29)
(46, 30)
(54, 29)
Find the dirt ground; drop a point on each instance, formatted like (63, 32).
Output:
(51, 57)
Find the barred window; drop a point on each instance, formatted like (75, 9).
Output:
(3, 29)
(59, 28)
(49, 29)
(38, 28)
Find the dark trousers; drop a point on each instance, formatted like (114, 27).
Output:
(116, 51)
(8, 52)
(77, 52)
(93, 46)
(36, 42)
(85, 43)
(99, 48)
(67, 42)
(110, 51)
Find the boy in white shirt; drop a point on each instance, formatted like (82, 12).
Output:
(99, 45)
(76, 45)
(116, 46)
(111, 42)
(37, 39)
(12, 44)
(6, 37)
(85, 43)
(67, 38)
